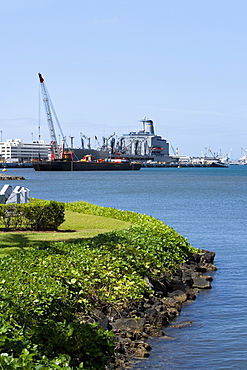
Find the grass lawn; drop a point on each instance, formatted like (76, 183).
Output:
(76, 226)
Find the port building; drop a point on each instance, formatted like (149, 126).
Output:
(15, 150)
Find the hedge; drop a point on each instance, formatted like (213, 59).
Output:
(37, 215)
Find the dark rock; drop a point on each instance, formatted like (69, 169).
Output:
(201, 283)
(171, 302)
(179, 285)
(128, 324)
(156, 318)
(191, 294)
(153, 332)
(178, 295)
(173, 312)
(181, 325)
(140, 353)
(168, 337)
(113, 314)
(211, 267)
(207, 277)
(201, 268)
(134, 324)
(187, 278)
(101, 319)
(207, 257)
(195, 257)
(159, 287)
(11, 177)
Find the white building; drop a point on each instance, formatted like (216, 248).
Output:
(18, 151)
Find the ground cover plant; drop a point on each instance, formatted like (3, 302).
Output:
(46, 289)
(75, 226)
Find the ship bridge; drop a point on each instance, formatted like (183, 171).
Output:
(144, 143)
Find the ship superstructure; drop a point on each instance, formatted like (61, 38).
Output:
(143, 144)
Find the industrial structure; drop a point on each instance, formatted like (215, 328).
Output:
(56, 150)
(18, 151)
(243, 159)
(142, 145)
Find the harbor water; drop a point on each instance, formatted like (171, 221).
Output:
(209, 207)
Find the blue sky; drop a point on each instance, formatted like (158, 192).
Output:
(107, 64)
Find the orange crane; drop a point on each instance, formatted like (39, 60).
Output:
(57, 151)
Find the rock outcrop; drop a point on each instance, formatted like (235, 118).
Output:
(134, 324)
(11, 177)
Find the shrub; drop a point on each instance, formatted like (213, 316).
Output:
(38, 215)
(54, 345)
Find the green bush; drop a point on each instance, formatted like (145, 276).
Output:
(37, 215)
(54, 345)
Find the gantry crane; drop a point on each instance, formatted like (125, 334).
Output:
(82, 141)
(56, 150)
(105, 145)
(97, 141)
(243, 159)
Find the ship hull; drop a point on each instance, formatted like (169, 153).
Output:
(85, 166)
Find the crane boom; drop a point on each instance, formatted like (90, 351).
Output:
(57, 151)
(48, 110)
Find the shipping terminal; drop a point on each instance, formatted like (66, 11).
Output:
(142, 148)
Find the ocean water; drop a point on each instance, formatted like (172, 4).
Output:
(209, 207)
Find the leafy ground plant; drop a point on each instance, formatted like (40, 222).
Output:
(46, 289)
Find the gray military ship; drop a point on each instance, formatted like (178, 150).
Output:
(143, 145)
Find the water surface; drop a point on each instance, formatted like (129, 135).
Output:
(206, 205)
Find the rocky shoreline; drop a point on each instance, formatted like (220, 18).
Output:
(11, 177)
(134, 324)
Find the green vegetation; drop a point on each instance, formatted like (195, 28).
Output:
(76, 226)
(45, 290)
(37, 215)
